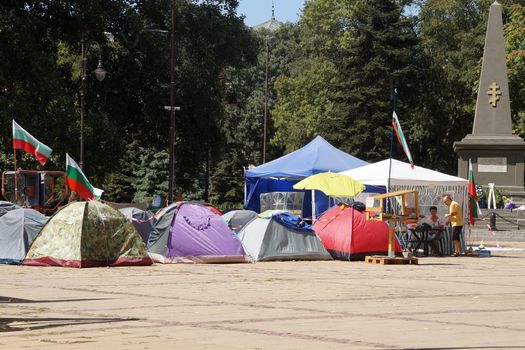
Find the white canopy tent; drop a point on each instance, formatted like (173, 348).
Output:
(402, 175)
(430, 184)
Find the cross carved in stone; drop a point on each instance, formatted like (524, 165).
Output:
(494, 93)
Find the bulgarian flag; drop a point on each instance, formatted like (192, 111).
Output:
(25, 141)
(472, 196)
(401, 138)
(77, 181)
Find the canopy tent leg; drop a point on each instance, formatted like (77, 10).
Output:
(314, 216)
(244, 173)
(391, 234)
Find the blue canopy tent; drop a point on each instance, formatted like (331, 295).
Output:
(281, 174)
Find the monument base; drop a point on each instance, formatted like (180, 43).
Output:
(495, 159)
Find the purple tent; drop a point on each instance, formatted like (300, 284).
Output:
(198, 235)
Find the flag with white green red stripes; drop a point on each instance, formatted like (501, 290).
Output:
(77, 181)
(25, 141)
(401, 138)
(472, 196)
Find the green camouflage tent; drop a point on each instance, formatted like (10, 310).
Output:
(87, 234)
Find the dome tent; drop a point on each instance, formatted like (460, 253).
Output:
(7, 206)
(282, 237)
(194, 234)
(158, 238)
(141, 219)
(18, 229)
(87, 234)
(237, 219)
(347, 235)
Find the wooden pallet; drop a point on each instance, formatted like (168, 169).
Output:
(385, 260)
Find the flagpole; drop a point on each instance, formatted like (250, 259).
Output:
(394, 101)
(16, 175)
(470, 217)
(470, 209)
(14, 161)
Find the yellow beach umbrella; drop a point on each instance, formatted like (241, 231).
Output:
(331, 184)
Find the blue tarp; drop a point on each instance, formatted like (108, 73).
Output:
(292, 221)
(316, 157)
(281, 174)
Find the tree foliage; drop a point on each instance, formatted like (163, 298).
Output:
(515, 46)
(331, 74)
(40, 82)
(354, 53)
(341, 87)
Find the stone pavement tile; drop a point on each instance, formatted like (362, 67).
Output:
(390, 332)
(278, 305)
(491, 320)
(148, 336)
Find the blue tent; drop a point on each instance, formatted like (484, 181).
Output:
(281, 174)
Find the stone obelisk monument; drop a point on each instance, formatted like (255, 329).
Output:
(497, 155)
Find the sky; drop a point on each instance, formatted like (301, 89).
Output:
(259, 11)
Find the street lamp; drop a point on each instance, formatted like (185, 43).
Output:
(270, 26)
(172, 108)
(100, 74)
(265, 132)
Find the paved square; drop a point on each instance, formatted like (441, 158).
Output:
(451, 303)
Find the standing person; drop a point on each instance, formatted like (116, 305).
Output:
(455, 217)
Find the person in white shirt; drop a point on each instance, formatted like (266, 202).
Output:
(437, 225)
(433, 220)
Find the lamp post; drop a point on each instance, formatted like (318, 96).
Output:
(272, 26)
(172, 108)
(265, 101)
(100, 74)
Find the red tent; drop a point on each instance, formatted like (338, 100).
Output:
(347, 235)
(212, 208)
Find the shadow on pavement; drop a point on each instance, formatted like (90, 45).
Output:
(424, 263)
(467, 347)
(4, 299)
(18, 324)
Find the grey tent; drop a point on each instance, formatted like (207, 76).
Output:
(141, 220)
(237, 219)
(158, 239)
(18, 229)
(267, 239)
(7, 206)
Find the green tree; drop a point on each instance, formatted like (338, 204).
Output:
(151, 175)
(355, 54)
(120, 184)
(241, 127)
(308, 105)
(515, 45)
(40, 80)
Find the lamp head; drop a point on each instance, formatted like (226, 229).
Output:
(100, 72)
